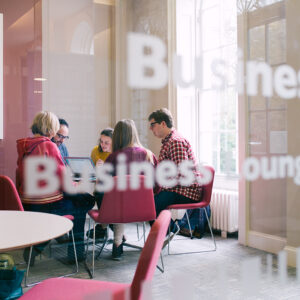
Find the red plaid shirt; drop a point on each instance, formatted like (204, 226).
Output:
(177, 149)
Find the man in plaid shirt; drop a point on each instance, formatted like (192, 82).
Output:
(177, 149)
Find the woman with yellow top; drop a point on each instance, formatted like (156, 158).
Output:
(101, 151)
(99, 155)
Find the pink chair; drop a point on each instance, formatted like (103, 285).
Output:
(78, 289)
(206, 198)
(10, 200)
(128, 206)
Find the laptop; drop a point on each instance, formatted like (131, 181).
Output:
(78, 164)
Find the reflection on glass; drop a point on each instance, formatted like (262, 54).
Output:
(258, 133)
(277, 103)
(257, 103)
(257, 43)
(277, 120)
(277, 42)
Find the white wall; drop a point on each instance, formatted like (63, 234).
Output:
(77, 66)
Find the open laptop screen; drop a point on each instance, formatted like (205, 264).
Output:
(78, 164)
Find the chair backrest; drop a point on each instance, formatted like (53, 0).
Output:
(150, 254)
(9, 197)
(207, 189)
(127, 206)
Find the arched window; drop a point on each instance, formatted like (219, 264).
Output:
(82, 40)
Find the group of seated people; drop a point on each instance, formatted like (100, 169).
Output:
(49, 133)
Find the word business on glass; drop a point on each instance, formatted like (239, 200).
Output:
(41, 176)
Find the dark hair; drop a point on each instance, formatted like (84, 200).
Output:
(125, 135)
(162, 114)
(63, 122)
(107, 132)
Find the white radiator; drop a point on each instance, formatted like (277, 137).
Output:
(224, 211)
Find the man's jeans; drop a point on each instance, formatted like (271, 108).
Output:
(166, 198)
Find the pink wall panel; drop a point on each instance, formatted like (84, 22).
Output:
(22, 63)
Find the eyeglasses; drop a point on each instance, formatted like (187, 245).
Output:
(153, 123)
(62, 136)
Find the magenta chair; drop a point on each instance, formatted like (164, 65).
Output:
(10, 200)
(128, 206)
(206, 198)
(78, 289)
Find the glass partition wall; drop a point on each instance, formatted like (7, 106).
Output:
(266, 47)
(227, 70)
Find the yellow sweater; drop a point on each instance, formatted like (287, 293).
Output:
(96, 154)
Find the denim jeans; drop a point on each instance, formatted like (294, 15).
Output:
(166, 198)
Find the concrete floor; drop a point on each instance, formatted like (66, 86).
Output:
(231, 272)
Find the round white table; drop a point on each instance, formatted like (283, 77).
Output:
(20, 229)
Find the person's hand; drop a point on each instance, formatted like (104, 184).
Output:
(100, 162)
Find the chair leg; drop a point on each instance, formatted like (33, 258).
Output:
(75, 255)
(174, 234)
(162, 268)
(212, 236)
(105, 242)
(144, 236)
(137, 231)
(87, 239)
(189, 224)
(66, 275)
(94, 246)
(87, 251)
(94, 237)
(169, 233)
(144, 232)
(27, 269)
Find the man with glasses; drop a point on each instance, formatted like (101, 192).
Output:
(174, 148)
(60, 137)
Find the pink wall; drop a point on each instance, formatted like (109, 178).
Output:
(22, 62)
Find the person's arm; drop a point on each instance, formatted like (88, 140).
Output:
(112, 159)
(93, 155)
(155, 161)
(156, 188)
(66, 151)
(53, 152)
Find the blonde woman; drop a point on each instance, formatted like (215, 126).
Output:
(44, 127)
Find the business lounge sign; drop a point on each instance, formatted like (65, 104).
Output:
(146, 52)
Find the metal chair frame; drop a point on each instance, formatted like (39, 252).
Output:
(108, 241)
(207, 189)
(66, 275)
(16, 204)
(191, 236)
